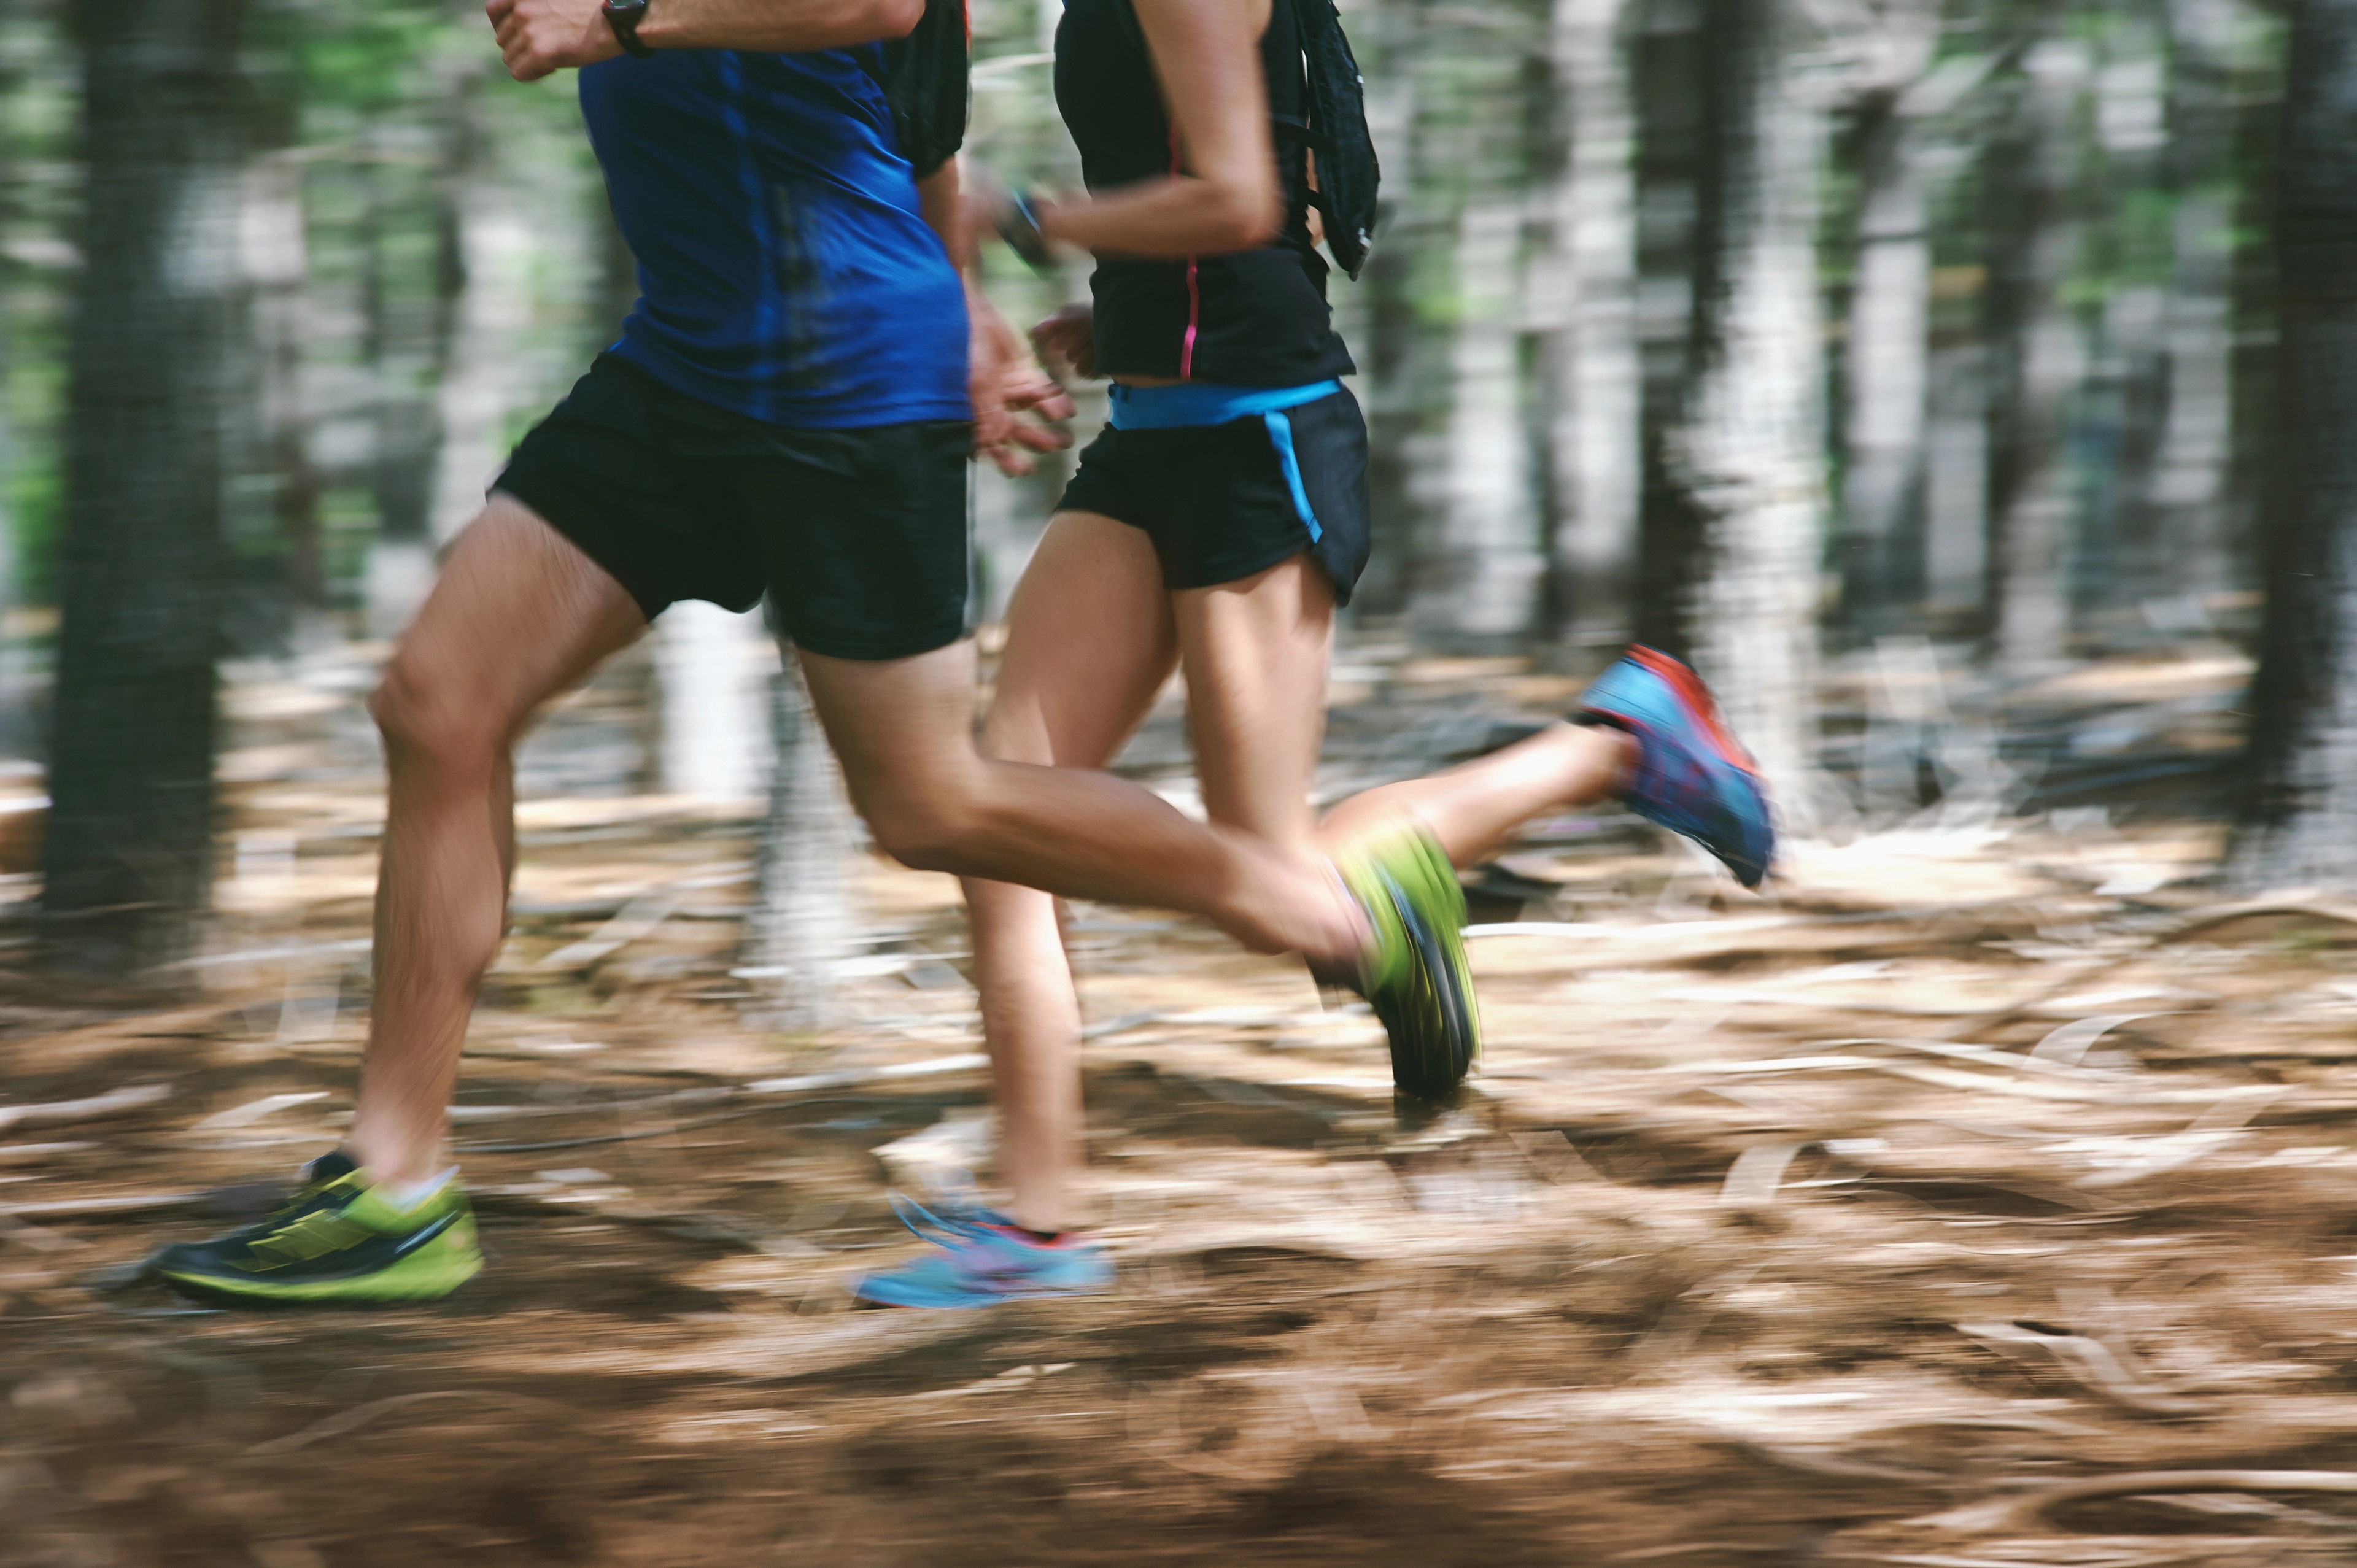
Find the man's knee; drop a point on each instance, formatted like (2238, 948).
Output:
(424, 713)
(928, 834)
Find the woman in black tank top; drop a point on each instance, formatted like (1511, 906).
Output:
(1214, 525)
(1251, 317)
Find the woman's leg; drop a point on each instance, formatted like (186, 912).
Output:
(1089, 644)
(1475, 809)
(1254, 652)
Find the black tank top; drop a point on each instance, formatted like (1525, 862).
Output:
(1250, 319)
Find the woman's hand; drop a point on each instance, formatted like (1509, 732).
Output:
(1069, 336)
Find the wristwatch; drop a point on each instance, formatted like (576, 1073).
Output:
(624, 16)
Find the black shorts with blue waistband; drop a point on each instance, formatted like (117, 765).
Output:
(1225, 500)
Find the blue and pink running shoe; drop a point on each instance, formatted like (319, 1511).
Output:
(982, 1259)
(1690, 775)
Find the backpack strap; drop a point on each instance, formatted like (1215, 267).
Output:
(928, 80)
(1335, 133)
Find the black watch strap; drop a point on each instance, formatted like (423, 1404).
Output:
(624, 16)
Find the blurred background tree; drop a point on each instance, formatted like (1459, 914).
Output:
(1789, 336)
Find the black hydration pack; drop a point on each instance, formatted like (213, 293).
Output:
(927, 80)
(1335, 132)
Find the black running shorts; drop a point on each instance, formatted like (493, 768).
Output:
(1217, 499)
(859, 536)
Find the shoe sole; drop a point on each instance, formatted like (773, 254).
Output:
(1433, 1000)
(1008, 1299)
(428, 1275)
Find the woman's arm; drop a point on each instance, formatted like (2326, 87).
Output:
(538, 37)
(1226, 196)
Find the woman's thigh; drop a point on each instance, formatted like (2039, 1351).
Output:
(1256, 653)
(1089, 641)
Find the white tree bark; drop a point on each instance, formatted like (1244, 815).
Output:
(2034, 607)
(1754, 440)
(1890, 324)
(1889, 359)
(483, 380)
(1481, 579)
(1955, 503)
(803, 925)
(711, 670)
(2197, 442)
(271, 248)
(1583, 299)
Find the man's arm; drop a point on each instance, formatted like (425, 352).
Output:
(1002, 381)
(538, 37)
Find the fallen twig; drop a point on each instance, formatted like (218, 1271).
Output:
(966, 1062)
(256, 1109)
(95, 1208)
(636, 919)
(34, 1154)
(1752, 1178)
(352, 1420)
(97, 1106)
(2091, 1089)
(2090, 1362)
(2027, 1507)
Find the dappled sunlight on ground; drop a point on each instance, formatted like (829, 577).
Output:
(1978, 1196)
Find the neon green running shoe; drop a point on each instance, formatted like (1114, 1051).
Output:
(1415, 976)
(336, 1238)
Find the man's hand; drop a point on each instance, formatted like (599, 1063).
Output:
(538, 38)
(1006, 385)
(1071, 336)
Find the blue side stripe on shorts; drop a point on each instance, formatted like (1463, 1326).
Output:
(1192, 404)
(1280, 436)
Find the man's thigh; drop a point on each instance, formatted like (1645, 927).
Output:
(902, 729)
(518, 614)
(862, 536)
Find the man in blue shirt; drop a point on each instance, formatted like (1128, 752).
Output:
(789, 412)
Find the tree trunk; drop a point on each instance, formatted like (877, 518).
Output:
(130, 848)
(277, 269)
(1586, 289)
(1388, 352)
(492, 235)
(1477, 587)
(2034, 237)
(1752, 454)
(2189, 494)
(409, 358)
(1955, 491)
(2300, 823)
(710, 697)
(1674, 247)
(2119, 572)
(1888, 362)
(11, 740)
(802, 927)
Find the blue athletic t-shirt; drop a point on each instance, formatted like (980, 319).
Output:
(785, 272)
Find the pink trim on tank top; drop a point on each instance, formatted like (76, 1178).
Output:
(1194, 299)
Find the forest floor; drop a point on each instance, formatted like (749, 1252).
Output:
(1979, 1196)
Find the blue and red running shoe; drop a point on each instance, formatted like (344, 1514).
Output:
(984, 1258)
(1689, 776)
